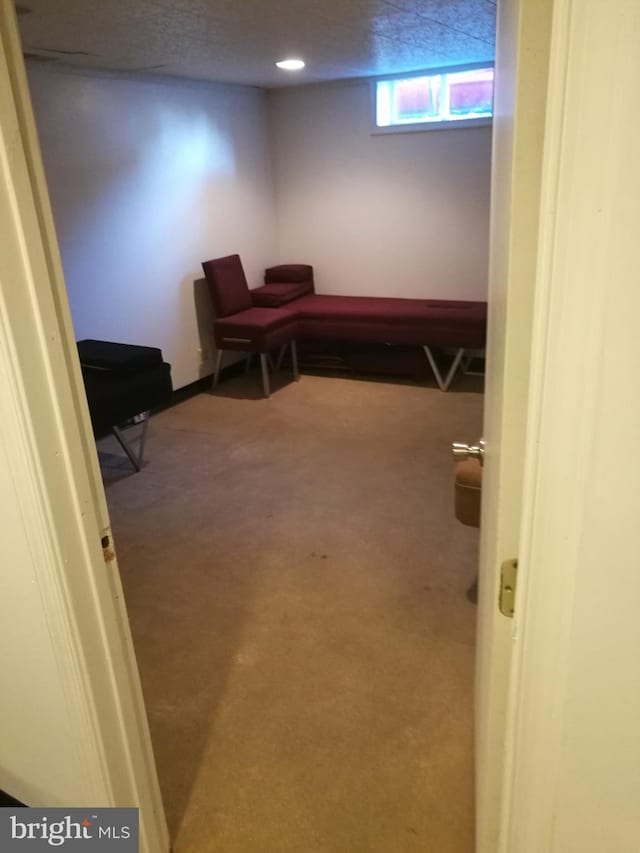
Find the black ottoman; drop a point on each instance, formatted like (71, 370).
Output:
(123, 383)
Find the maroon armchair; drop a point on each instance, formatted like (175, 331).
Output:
(240, 325)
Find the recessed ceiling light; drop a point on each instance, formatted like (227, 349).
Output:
(290, 64)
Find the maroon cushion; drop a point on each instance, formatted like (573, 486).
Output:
(227, 285)
(290, 273)
(255, 330)
(280, 292)
(434, 322)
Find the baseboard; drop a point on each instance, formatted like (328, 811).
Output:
(204, 384)
(191, 390)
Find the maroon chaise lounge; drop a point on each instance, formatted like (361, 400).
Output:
(287, 308)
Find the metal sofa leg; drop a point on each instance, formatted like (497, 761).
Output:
(216, 374)
(455, 364)
(265, 374)
(443, 384)
(294, 360)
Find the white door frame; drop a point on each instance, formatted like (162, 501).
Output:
(80, 585)
(587, 306)
(522, 60)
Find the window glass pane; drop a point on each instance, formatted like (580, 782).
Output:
(470, 93)
(417, 99)
(435, 98)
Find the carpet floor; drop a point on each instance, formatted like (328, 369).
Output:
(296, 584)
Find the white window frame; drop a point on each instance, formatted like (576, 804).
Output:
(412, 127)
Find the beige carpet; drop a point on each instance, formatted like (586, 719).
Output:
(296, 586)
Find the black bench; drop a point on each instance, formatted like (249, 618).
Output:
(123, 384)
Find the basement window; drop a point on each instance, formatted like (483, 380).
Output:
(450, 97)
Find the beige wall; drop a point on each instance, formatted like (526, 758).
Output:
(402, 214)
(147, 179)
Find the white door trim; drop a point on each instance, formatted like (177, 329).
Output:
(57, 479)
(590, 125)
(522, 59)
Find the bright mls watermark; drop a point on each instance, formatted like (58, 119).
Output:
(86, 830)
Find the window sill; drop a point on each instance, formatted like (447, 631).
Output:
(431, 125)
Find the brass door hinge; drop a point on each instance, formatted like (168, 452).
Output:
(508, 580)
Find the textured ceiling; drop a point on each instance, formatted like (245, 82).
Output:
(238, 41)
